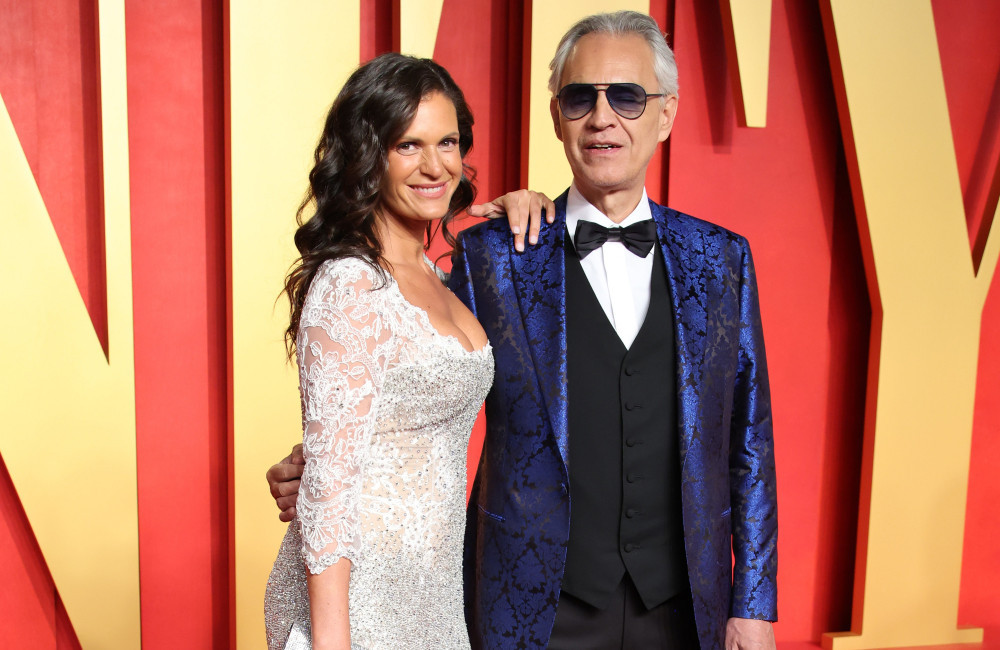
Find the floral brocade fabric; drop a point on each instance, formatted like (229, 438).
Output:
(388, 405)
(519, 510)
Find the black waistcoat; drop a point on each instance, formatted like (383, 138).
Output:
(624, 458)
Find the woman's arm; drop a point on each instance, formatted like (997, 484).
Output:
(328, 609)
(343, 346)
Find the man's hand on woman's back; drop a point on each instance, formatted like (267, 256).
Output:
(283, 480)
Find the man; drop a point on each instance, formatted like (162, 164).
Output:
(630, 384)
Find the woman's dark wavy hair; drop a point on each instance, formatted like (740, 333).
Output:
(369, 116)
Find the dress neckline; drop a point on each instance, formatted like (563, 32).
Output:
(425, 320)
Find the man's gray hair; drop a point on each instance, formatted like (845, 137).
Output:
(619, 23)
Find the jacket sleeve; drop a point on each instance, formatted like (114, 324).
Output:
(753, 493)
(460, 280)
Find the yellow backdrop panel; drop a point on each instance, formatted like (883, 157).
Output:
(906, 185)
(751, 41)
(287, 62)
(68, 412)
(419, 20)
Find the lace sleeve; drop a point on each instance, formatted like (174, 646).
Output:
(343, 348)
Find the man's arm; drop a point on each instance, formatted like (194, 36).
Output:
(753, 492)
(749, 634)
(460, 278)
(283, 480)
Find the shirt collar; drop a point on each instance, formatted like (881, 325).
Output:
(580, 209)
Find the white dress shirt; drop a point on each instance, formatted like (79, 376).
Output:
(613, 265)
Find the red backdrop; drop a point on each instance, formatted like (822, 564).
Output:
(784, 186)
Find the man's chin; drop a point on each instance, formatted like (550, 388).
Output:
(603, 184)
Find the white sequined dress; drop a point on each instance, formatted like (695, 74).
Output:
(388, 405)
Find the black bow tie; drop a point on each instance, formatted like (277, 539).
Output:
(638, 238)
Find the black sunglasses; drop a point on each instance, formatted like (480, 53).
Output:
(626, 99)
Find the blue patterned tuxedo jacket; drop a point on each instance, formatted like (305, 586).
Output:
(518, 521)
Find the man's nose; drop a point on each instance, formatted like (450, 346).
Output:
(602, 115)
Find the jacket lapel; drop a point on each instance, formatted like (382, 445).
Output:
(539, 278)
(688, 312)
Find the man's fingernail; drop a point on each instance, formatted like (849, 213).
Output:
(533, 240)
(516, 230)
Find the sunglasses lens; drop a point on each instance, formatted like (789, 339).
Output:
(628, 100)
(576, 100)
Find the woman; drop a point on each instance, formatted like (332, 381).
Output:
(392, 368)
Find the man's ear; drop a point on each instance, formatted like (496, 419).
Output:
(667, 117)
(554, 110)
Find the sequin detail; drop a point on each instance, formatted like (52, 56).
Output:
(388, 405)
